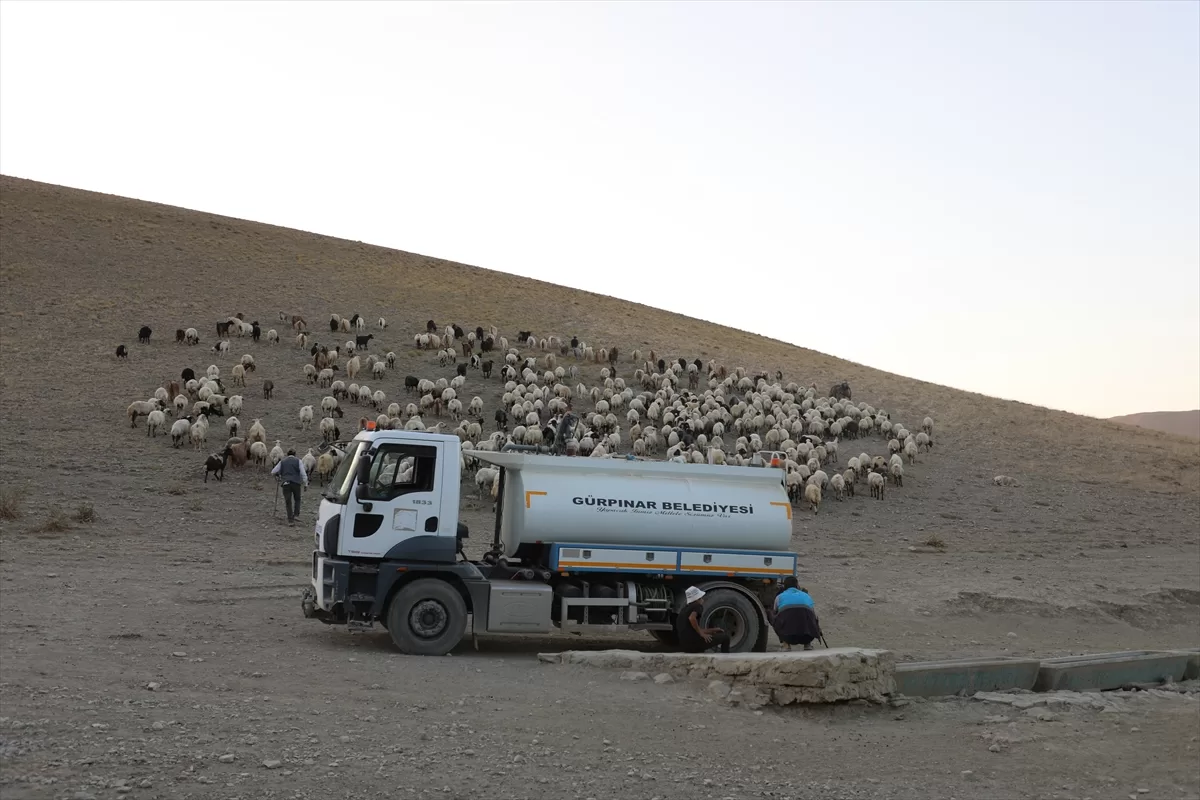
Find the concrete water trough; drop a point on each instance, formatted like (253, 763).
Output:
(965, 675)
(1192, 672)
(1105, 671)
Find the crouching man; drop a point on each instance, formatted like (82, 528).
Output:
(795, 617)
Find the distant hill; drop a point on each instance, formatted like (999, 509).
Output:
(1180, 423)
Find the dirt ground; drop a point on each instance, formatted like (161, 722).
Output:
(194, 588)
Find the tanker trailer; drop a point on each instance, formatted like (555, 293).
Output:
(578, 545)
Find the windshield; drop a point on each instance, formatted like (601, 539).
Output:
(338, 490)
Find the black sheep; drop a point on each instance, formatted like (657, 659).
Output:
(487, 368)
(180, 334)
(216, 465)
(361, 342)
(144, 335)
(188, 374)
(255, 331)
(430, 326)
(461, 369)
(122, 352)
(501, 419)
(410, 383)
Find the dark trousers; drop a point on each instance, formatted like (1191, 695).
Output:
(797, 638)
(718, 640)
(291, 500)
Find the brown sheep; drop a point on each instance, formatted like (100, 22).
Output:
(237, 453)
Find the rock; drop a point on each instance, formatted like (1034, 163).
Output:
(719, 688)
(272, 764)
(153, 686)
(158, 725)
(550, 658)
(1011, 635)
(179, 654)
(995, 748)
(630, 675)
(226, 758)
(664, 677)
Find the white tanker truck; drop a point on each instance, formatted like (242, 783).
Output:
(579, 545)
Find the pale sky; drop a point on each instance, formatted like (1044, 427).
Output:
(1002, 197)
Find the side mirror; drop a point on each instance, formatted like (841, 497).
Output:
(364, 470)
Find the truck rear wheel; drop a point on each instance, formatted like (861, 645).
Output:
(735, 614)
(427, 618)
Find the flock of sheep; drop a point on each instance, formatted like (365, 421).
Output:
(642, 406)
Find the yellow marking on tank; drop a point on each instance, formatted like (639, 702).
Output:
(623, 564)
(530, 494)
(787, 507)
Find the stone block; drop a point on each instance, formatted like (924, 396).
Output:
(811, 676)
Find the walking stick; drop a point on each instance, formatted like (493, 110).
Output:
(275, 512)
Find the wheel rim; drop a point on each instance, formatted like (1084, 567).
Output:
(428, 619)
(730, 620)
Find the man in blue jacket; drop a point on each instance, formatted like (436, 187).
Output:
(795, 616)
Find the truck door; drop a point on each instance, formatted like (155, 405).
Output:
(399, 504)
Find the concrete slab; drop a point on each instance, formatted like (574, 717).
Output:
(1104, 671)
(798, 676)
(965, 675)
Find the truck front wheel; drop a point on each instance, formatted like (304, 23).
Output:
(427, 618)
(735, 614)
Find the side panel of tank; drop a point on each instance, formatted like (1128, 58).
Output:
(597, 508)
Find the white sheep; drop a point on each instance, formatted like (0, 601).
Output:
(235, 404)
(156, 422)
(897, 473)
(142, 408)
(198, 433)
(257, 432)
(927, 426)
(231, 425)
(910, 452)
(328, 404)
(192, 336)
(378, 369)
(381, 323)
(838, 483)
(328, 429)
(273, 336)
(812, 495)
(258, 453)
(1004, 480)
(306, 417)
(276, 453)
(180, 403)
(179, 431)
(875, 481)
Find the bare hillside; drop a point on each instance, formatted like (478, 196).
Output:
(122, 569)
(1176, 423)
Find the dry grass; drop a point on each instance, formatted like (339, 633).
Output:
(56, 522)
(10, 504)
(85, 513)
(935, 542)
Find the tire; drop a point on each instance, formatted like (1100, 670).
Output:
(736, 614)
(427, 618)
